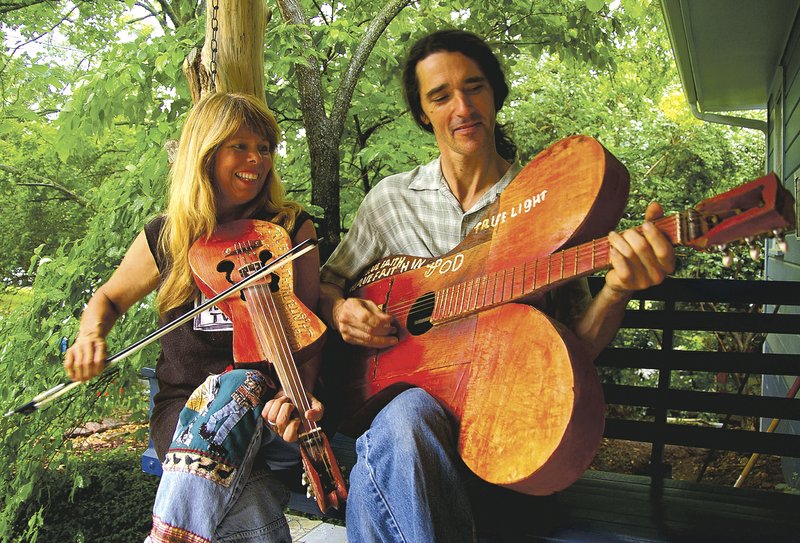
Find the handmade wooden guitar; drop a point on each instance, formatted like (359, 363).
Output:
(527, 397)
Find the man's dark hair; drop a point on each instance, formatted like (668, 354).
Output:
(471, 46)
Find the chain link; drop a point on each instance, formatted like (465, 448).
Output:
(214, 45)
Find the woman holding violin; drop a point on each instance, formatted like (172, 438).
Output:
(220, 444)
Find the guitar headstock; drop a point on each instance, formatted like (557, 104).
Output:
(756, 209)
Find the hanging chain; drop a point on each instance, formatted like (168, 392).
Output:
(214, 45)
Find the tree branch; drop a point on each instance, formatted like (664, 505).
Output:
(7, 8)
(51, 185)
(344, 94)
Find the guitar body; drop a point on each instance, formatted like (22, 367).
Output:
(527, 398)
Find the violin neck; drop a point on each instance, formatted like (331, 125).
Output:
(275, 343)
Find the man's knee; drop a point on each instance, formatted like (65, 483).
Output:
(413, 412)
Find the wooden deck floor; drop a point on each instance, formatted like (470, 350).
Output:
(613, 507)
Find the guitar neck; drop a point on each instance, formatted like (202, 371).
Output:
(537, 276)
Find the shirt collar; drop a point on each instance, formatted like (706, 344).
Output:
(431, 178)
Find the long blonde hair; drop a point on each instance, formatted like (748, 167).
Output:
(191, 208)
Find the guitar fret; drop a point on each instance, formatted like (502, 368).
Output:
(514, 279)
(575, 267)
(485, 288)
(524, 274)
(450, 297)
(470, 288)
(450, 300)
(476, 292)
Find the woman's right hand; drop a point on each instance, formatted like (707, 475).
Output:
(136, 276)
(86, 357)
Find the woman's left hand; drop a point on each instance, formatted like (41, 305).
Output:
(281, 416)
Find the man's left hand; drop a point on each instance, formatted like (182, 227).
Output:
(640, 260)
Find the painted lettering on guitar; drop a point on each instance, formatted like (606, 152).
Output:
(387, 267)
(445, 265)
(521, 208)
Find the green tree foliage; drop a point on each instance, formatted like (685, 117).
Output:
(90, 92)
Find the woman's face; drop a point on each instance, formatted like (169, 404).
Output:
(241, 166)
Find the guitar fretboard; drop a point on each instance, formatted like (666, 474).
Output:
(539, 275)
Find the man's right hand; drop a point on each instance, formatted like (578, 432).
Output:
(361, 322)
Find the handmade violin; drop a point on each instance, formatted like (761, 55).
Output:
(270, 325)
(526, 396)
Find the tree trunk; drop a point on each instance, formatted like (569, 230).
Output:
(324, 134)
(240, 27)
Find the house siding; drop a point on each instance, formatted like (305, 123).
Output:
(785, 109)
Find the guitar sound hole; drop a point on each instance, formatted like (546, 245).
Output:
(419, 318)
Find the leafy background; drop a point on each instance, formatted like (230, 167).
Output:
(90, 92)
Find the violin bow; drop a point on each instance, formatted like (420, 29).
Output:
(62, 388)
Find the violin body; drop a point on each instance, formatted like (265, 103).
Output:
(226, 258)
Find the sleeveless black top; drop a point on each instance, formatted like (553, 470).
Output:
(190, 353)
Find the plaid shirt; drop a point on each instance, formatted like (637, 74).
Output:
(412, 213)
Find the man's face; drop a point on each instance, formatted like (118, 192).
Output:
(457, 103)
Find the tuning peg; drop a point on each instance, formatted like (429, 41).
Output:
(309, 493)
(780, 241)
(755, 249)
(304, 479)
(727, 257)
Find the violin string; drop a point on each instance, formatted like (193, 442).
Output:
(269, 342)
(279, 332)
(276, 345)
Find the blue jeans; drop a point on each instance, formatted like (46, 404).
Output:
(408, 483)
(211, 490)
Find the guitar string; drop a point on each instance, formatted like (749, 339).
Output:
(600, 254)
(599, 250)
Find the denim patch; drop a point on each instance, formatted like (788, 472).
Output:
(216, 426)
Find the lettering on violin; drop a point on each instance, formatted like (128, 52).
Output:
(521, 208)
(387, 267)
(445, 265)
(299, 324)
